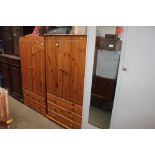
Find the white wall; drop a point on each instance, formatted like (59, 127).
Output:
(102, 30)
(134, 105)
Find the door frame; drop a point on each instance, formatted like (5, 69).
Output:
(90, 51)
(119, 78)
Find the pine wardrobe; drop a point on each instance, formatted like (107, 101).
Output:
(33, 72)
(53, 68)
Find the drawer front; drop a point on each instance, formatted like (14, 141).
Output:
(51, 106)
(65, 104)
(26, 100)
(68, 123)
(34, 101)
(43, 109)
(69, 106)
(34, 96)
(52, 114)
(51, 98)
(77, 109)
(26, 93)
(76, 118)
(63, 112)
(31, 103)
(76, 125)
(69, 114)
(60, 119)
(35, 105)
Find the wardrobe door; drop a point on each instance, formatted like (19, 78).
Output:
(38, 65)
(26, 63)
(54, 53)
(73, 68)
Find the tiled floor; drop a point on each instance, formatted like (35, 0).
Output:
(26, 118)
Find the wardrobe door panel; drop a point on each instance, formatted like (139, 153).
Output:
(50, 65)
(54, 51)
(59, 66)
(26, 64)
(38, 66)
(73, 69)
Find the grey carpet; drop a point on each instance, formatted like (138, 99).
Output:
(26, 118)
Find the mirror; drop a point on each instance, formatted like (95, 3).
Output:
(106, 63)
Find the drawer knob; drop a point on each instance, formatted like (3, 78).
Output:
(57, 44)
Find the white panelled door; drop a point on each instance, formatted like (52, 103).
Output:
(134, 105)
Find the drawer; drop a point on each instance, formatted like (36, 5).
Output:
(69, 106)
(26, 100)
(43, 109)
(34, 104)
(65, 104)
(51, 106)
(59, 119)
(63, 112)
(51, 97)
(34, 96)
(51, 114)
(26, 93)
(77, 109)
(76, 126)
(68, 114)
(64, 121)
(76, 118)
